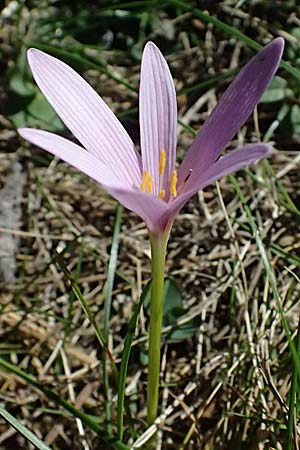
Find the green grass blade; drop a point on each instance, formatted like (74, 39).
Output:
(127, 5)
(269, 272)
(72, 296)
(28, 435)
(207, 83)
(85, 307)
(231, 31)
(111, 271)
(105, 437)
(292, 399)
(125, 359)
(284, 196)
(291, 259)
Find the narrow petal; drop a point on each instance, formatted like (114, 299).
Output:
(75, 156)
(230, 163)
(149, 208)
(233, 109)
(158, 116)
(86, 114)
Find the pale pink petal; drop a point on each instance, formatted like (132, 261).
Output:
(230, 163)
(75, 156)
(233, 109)
(149, 208)
(86, 115)
(158, 116)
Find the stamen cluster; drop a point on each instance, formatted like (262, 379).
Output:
(147, 183)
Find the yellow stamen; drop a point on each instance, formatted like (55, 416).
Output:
(146, 184)
(162, 161)
(173, 184)
(149, 184)
(162, 194)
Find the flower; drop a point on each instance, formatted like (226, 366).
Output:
(148, 183)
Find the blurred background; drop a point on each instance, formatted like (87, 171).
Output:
(227, 367)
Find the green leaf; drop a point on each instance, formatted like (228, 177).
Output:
(172, 300)
(278, 90)
(36, 114)
(20, 79)
(20, 85)
(173, 310)
(184, 331)
(125, 357)
(42, 110)
(23, 430)
(295, 118)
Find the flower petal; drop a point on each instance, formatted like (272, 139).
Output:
(149, 208)
(76, 156)
(86, 114)
(230, 163)
(233, 109)
(158, 116)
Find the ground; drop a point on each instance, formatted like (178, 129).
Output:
(231, 321)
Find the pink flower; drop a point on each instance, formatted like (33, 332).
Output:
(149, 184)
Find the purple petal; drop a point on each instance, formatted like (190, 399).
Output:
(233, 109)
(230, 163)
(86, 114)
(76, 156)
(149, 208)
(158, 116)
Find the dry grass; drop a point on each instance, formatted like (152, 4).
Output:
(225, 388)
(227, 384)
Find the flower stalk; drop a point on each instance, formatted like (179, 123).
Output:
(158, 258)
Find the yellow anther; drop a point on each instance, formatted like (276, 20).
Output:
(146, 184)
(162, 194)
(149, 183)
(162, 161)
(173, 184)
(144, 181)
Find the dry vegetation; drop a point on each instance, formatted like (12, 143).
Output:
(225, 387)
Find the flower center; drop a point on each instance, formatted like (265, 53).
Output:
(147, 184)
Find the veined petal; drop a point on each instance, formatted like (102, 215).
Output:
(149, 208)
(230, 163)
(86, 115)
(158, 117)
(233, 109)
(75, 156)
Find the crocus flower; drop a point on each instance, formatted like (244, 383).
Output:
(148, 182)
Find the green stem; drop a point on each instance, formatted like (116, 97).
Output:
(158, 253)
(292, 399)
